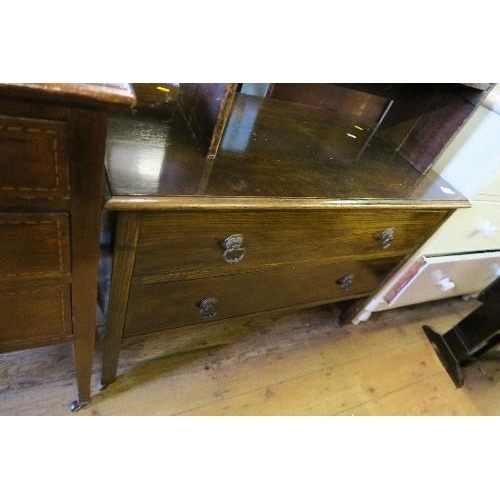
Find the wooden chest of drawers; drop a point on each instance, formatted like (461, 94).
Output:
(52, 141)
(275, 259)
(282, 218)
(176, 268)
(183, 260)
(269, 257)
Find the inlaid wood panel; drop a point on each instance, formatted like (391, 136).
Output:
(33, 158)
(191, 244)
(34, 316)
(34, 246)
(167, 305)
(52, 142)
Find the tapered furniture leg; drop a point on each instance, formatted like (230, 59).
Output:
(127, 231)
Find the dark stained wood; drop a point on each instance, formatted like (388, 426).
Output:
(400, 122)
(159, 98)
(206, 107)
(34, 316)
(53, 169)
(424, 120)
(155, 203)
(444, 116)
(184, 245)
(20, 204)
(271, 150)
(87, 145)
(96, 93)
(437, 111)
(178, 303)
(308, 188)
(40, 182)
(125, 245)
(34, 246)
(357, 105)
(38, 169)
(425, 116)
(221, 121)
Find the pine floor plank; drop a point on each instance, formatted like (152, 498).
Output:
(301, 363)
(150, 397)
(331, 390)
(435, 395)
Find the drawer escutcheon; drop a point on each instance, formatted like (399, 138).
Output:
(346, 281)
(208, 308)
(386, 237)
(234, 250)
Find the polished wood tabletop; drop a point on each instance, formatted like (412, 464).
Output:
(271, 152)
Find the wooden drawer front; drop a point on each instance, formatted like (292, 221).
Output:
(468, 230)
(34, 246)
(187, 244)
(33, 158)
(28, 316)
(165, 305)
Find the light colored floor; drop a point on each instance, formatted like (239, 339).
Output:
(298, 363)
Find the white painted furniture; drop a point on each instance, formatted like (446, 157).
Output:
(463, 256)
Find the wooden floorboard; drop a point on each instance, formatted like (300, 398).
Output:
(302, 363)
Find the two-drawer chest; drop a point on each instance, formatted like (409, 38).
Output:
(52, 144)
(300, 206)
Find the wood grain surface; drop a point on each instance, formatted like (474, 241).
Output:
(271, 150)
(178, 303)
(190, 244)
(87, 93)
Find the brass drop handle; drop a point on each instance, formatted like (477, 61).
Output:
(208, 308)
(346, 282)
(234, 250)
(386, 237)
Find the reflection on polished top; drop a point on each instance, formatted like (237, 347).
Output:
(272, 151)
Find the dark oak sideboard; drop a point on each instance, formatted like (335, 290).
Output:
(52, 145)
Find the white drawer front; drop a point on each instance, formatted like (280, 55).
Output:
(467, 230)
(442, 277)
(492, 190)
(423, 279)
